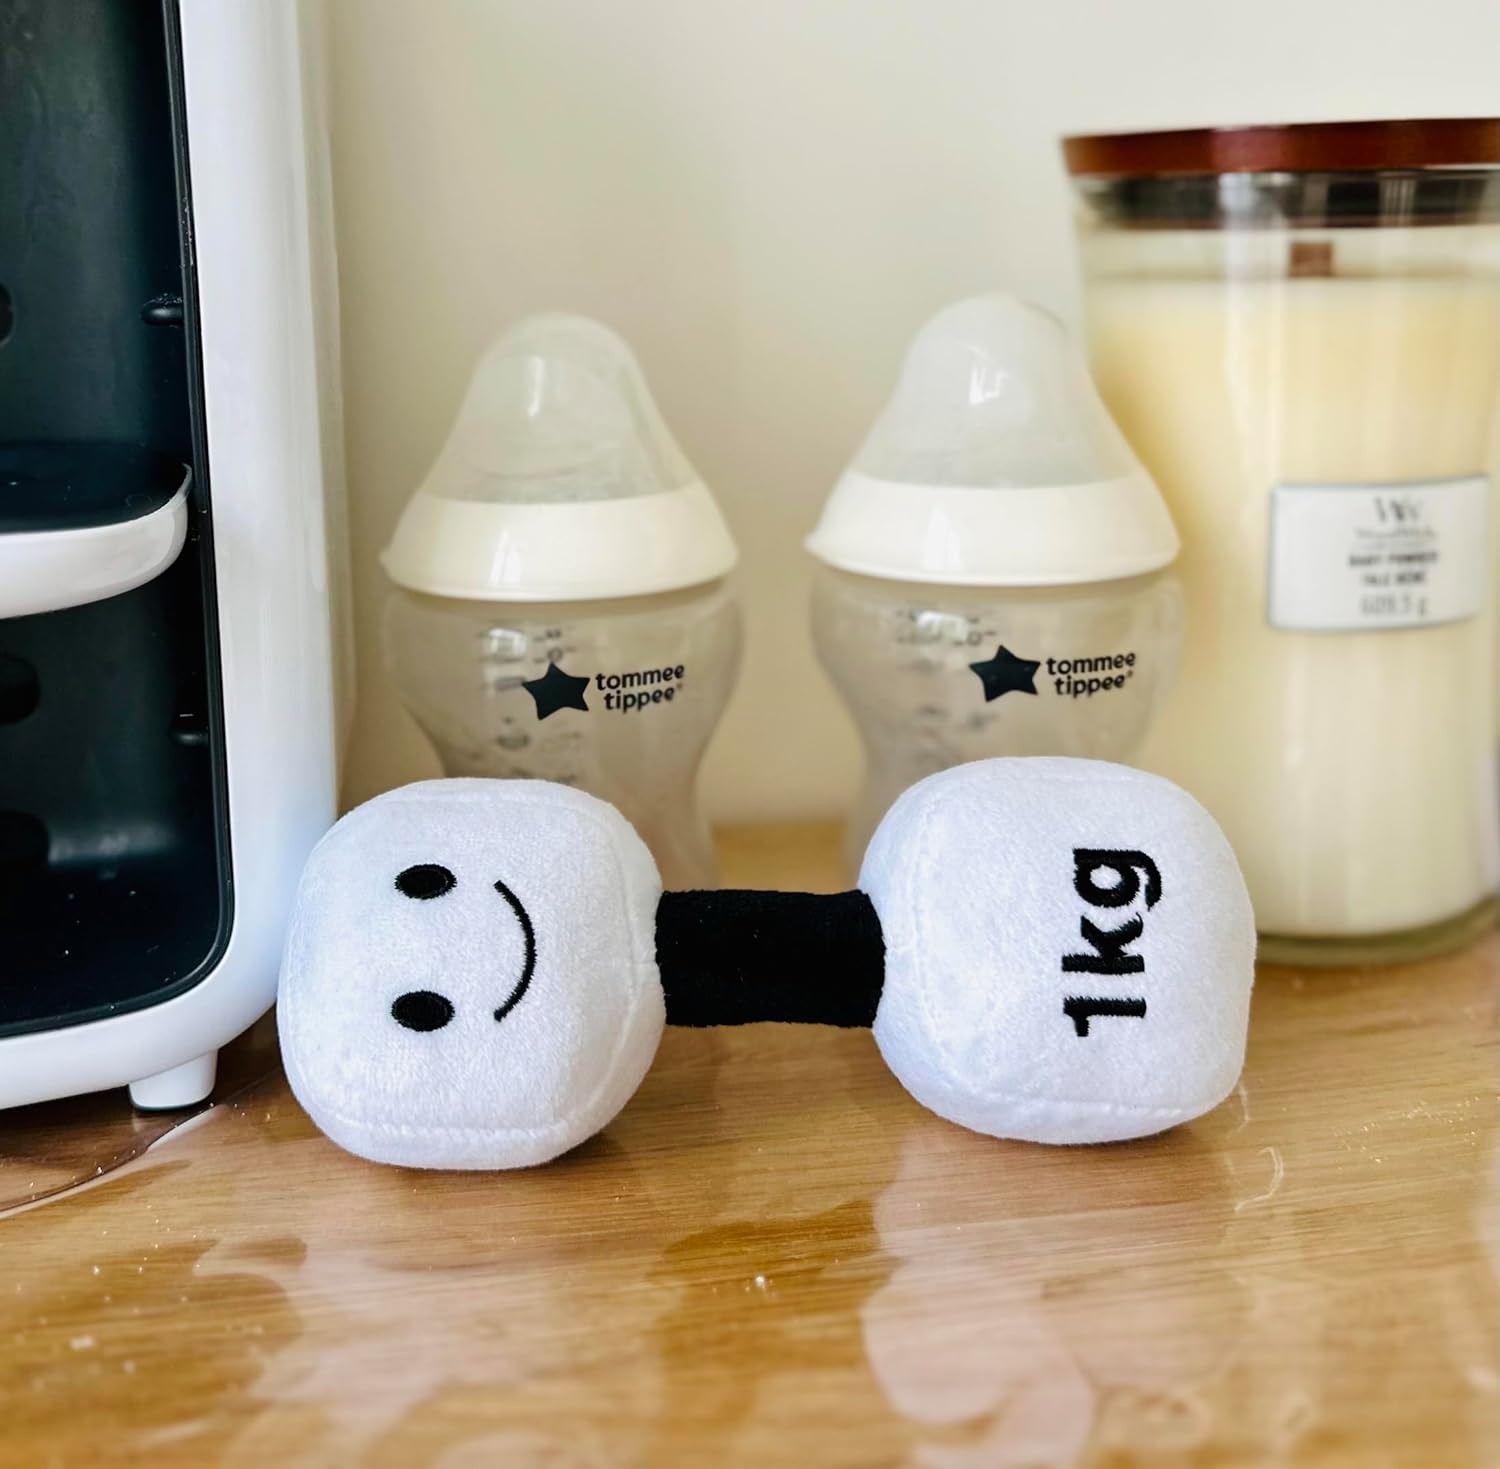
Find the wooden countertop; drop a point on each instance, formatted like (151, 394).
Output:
(774, 1256)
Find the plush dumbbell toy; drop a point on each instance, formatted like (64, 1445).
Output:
(478, 972)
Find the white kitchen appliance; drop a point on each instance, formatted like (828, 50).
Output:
(171, 546)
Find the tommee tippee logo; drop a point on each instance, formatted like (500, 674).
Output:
(1071, 678)
(621, 693)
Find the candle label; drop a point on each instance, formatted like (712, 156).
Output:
(1354, 558)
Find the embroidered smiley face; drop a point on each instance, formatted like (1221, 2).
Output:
(427, 1009)
(470, 980)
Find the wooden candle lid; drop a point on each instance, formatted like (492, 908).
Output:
(1315, 147)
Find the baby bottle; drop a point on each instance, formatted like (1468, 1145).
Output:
(994, 577)
(560, 609)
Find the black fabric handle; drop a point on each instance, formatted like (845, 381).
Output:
(738, 956)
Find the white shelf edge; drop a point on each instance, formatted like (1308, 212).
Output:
(47, 570)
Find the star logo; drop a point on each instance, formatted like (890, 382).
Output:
(1006, 674)
(556, 690)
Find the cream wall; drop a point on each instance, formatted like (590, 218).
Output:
(766, 197)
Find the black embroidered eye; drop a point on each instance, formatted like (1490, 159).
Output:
(425, 880)
(422, 1010)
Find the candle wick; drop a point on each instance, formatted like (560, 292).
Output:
(1310, 258)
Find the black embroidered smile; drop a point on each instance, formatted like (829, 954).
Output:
(424, 1010)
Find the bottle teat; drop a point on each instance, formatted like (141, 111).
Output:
(559, 480)
(995, 463)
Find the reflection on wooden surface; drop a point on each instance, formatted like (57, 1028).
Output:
(775, 1256)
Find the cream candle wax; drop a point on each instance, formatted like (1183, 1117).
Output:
(1313, 385)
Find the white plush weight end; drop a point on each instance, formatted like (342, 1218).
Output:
(1069, 950)
(470, 978)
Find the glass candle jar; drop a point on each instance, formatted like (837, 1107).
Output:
(1299, 331)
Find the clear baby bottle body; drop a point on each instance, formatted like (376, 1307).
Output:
(935, 676)
(562, 609)
(617, 697)
(996, 563)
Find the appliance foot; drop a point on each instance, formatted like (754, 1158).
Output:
(181, 1086)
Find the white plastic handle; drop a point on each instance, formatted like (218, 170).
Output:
(44, 570)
